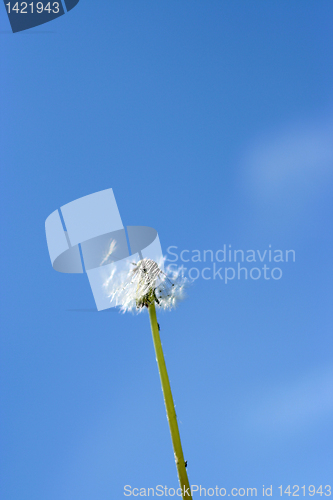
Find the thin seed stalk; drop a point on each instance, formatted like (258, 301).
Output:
(169, 405)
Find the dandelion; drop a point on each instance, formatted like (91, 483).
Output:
(147, 286)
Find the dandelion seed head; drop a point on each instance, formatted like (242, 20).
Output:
(146, 283)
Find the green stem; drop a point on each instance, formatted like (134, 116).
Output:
(169, 405)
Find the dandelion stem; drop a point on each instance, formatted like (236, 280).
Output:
(169, 405)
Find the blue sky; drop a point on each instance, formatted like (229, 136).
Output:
(212, 122)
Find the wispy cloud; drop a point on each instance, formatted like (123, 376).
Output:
(297, 159)
(298, 405)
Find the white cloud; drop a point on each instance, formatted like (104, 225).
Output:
(297, 405)
(297, 160)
